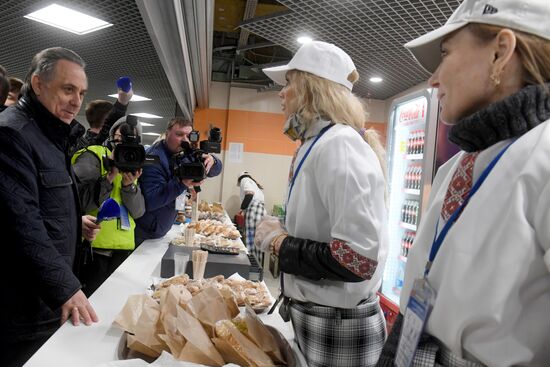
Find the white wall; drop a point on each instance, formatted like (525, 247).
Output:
(376, 110)
(270, 170)
(223, 96)
(245, 99)
(219, 95)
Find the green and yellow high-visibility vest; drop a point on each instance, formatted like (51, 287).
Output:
(110, 236)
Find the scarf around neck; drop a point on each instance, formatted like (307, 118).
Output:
(511, 117)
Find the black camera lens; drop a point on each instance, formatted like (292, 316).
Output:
(130, 156)
(215, 135)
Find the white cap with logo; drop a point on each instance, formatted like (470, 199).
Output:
(319, 58)
(529, 16)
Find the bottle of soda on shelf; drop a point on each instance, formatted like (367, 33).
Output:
(416, 212)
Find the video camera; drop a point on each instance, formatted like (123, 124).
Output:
(189, 163)
(129, 155)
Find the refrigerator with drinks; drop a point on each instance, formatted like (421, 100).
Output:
(412, 128)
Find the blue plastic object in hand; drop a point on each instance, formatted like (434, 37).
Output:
(124, 83)
(109, 210)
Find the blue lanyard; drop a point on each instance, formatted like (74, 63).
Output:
(297, 170)
(438, 240)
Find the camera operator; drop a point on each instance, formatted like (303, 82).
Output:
(98, 178)
(161, 187)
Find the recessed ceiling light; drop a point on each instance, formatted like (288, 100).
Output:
(135, 98)
(376, 79)
(304, 39)
(146, 115)
(145, 124)
(67, 19)
(152, 134)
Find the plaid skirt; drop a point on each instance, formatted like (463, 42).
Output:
(337, 337)
(253, 215)
(430, 352)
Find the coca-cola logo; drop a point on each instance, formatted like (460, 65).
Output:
(413, 111)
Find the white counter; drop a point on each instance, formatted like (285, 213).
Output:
(91, 345)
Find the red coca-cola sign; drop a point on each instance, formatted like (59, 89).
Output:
(412, 111)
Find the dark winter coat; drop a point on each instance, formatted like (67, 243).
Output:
(40, 222)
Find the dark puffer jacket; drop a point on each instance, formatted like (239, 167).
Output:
(160, 189)
(40, 223)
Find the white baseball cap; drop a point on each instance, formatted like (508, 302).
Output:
(319, 58)
(529, 16)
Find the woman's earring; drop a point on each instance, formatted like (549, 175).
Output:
(495, 78)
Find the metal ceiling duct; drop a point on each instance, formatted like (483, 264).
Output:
(182, 32)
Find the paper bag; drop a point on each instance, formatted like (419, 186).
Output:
(253, 355)
(261, 336)
(209, 307)
(195, 335)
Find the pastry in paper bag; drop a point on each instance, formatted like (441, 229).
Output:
(209, 306)
(241, 345)
(251, 326)
(199, 347)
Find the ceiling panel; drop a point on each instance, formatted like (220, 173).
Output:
(123, 49)
(371, 32)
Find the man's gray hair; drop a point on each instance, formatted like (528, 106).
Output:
(43, 64)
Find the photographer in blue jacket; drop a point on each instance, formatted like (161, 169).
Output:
(160, 185)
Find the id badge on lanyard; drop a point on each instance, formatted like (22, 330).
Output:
(418, 309)
(423, 296)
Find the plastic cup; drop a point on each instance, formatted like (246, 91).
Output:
(180, 262)
(189, 235)
(198, 269)
(199, 263)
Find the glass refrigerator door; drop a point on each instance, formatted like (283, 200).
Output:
(408, 177)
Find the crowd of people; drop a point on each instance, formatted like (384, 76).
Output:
(477, 282)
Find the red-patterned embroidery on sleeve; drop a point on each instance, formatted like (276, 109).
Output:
(358, 264)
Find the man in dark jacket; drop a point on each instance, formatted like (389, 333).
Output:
(40, 217)
(159, 185)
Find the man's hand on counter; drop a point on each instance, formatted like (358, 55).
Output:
(78, 307)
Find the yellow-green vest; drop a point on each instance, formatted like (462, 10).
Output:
(110, 236)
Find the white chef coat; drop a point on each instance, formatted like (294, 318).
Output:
(492, 282)
(338, 193)
(247, 184)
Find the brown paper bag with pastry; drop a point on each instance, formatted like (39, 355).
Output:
(244, 347)
(176, 294)
(209, 306)
(256, 331)
(128, 317)
(171, 336)
(198, 345)
(139, 317)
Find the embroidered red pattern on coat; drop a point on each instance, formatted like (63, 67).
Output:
(460, 185)
(356, 263)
